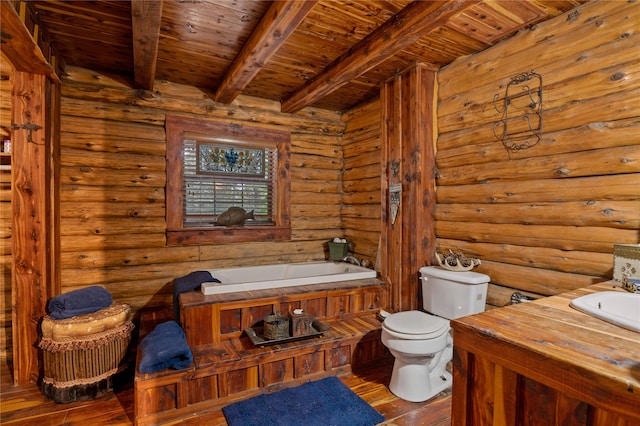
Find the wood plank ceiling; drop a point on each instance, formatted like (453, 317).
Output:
(331, 54)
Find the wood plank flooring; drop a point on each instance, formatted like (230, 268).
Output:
(25, 405)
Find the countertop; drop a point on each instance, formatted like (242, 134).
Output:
(552, 343)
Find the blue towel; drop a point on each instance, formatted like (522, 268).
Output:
(165, 347)
(78, 302)
(188, 283)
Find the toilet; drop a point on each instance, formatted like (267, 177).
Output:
(421, 342)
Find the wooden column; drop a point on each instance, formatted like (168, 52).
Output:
(35, 234)
(32, 219)
(408, 164)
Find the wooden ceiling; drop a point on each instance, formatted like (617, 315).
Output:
(331, 54)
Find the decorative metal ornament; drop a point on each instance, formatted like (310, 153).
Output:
(394, 201)
(394, 191)
(520, 126)
(29, 127)
(395, 168)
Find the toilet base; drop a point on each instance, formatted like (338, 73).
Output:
(414, 383)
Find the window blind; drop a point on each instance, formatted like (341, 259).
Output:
(207, 195)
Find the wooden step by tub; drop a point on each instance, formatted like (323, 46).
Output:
(228, 366)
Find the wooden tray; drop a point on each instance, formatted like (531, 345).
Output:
(256, 335)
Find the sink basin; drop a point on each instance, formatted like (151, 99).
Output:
(621, 309)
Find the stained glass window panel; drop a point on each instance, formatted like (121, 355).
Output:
(214, 158)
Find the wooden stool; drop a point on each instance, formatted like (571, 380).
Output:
(81, 354)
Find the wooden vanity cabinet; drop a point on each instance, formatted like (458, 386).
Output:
(545, 363)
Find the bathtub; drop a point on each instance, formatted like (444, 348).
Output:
(283, 275)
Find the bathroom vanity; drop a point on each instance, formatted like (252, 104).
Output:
(545, 363)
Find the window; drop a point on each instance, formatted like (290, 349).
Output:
(212, 166)
(219, 174)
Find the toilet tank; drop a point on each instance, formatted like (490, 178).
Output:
(452, 295)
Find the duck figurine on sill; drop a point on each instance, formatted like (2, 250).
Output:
(456, 261)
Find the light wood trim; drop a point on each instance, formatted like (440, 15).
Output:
(277, 24)
(405, 28)
(145, 21)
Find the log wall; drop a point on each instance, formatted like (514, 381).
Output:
(361, 146)
(113, 177)
(544, 220)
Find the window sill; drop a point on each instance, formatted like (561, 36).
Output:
(228, 235)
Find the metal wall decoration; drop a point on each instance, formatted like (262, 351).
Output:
(395, 190)
(394, 201)
(521, 124)
(214, 158)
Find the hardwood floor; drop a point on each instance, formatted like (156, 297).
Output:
(25, 405)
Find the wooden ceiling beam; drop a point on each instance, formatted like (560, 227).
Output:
(19, 47)
(413, 22)
(277, 24)
(146, 16)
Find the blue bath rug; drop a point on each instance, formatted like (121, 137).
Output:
(326, 402)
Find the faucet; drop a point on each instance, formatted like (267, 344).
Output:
(351, 259)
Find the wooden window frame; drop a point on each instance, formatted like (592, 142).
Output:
(175, 128)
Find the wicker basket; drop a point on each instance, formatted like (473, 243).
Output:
(81, 354)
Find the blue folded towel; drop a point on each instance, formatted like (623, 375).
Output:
(188, 283)
(78, 302)
(165, 347)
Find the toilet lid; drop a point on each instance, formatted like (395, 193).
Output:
(415, 322)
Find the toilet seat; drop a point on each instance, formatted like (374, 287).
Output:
(415, 325)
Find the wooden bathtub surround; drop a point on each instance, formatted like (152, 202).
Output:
(220, 317)
(544, 362)
(228, 367)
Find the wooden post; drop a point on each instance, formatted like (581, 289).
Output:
(408, 168)
(34, 194)
(31, 220)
